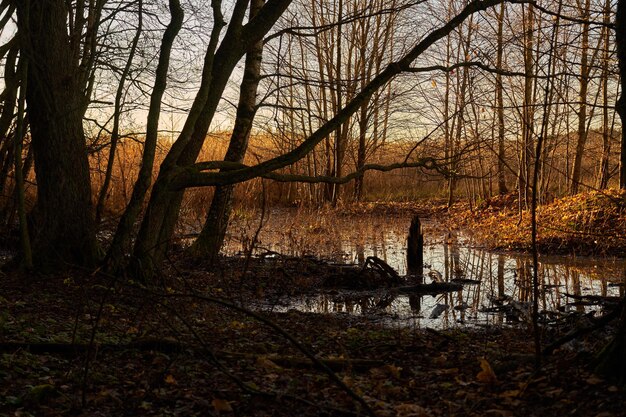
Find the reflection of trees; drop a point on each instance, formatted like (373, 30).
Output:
(360, 253)
(500, 283)
(577, 288)
(524, 280)
(352, 303)
(504, 277)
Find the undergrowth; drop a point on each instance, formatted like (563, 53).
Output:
(591, 223)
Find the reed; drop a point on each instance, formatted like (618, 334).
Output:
(400, 185)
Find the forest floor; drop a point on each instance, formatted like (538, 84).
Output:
(87, 344)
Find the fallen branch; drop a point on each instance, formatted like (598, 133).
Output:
(576, 333)
(432, 288)
(594, 299)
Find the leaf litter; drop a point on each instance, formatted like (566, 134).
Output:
(158, 356)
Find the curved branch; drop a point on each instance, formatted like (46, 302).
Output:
(196, 175)
(187, 178)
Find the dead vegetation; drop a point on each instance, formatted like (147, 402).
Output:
(591, 223)
(90, 345)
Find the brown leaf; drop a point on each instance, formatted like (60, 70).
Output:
(221, 405)
(510, 393)
(267, 364)
(486, 375)
(594, 380)
(498, 412)
(411, 410)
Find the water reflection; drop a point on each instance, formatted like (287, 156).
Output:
(502, 295)
(498, 286)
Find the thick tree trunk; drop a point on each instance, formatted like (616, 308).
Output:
(122, 236)
(611, 360)
(63, 225)
(161, 216)
(157, 226)
(213, 233)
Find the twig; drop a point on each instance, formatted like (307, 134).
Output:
(601, 322)
(286, 335)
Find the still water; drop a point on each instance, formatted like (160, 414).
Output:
(500, 284)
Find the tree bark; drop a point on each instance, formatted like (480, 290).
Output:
(582, 110)
(620, 107)
(122, 235)
(502, 188)
(607, 127)
(63, 224)
(161, 215)
(211, 238)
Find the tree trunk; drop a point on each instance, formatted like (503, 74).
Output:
(607, 127)
(122, 236)
(582, 110)
(161, 215)
(63, 225)
(528, 110)
(502, 189)
(213, 233)
(620, 107)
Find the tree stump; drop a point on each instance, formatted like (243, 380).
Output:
(415, 248)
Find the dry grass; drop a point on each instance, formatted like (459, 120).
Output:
(401, 185)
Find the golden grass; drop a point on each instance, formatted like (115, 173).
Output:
(399, 185)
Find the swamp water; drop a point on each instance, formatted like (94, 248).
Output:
(500, 291)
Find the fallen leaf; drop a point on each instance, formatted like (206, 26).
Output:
(221, 405)
(169, 379)
(510, 393)
(498, 412)
(486, 375)
(410, 410)
(394, 371)
(267, 364)
(594, 380)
